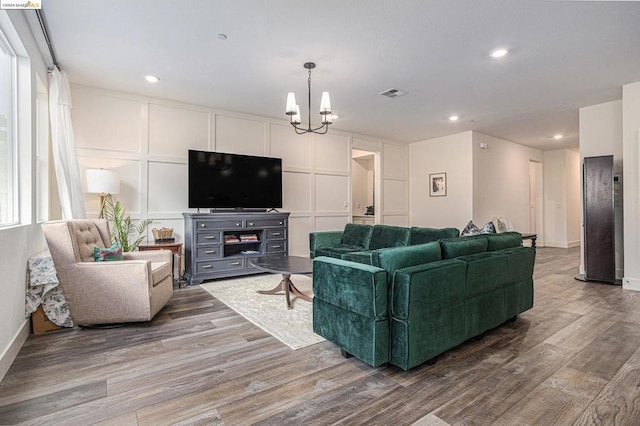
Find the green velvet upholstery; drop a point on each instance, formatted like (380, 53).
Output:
(392, 259)
(503, 241)
(518, 290)
(365, 338)
(337, 251)
(350, 308)
(455, 247)
(365, 238)
(427, 235)
(323, 239)
(358, 256)
(359, 288)
(405, 305)
(357, 235)
(389, 236)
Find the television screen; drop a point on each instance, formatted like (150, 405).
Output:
(231, 181)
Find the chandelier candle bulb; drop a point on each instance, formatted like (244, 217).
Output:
(296, 115)
(325, 104)
(291, 104)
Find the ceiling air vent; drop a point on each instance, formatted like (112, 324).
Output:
(393, 93)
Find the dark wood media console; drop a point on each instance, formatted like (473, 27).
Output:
(211, 251)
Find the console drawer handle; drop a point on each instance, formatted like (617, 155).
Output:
(276, 247)
(250, 223)
(206, 266)
(203, 225)
(238, 224)
(235, 263)
(276, 234)
(281, 222)
(210, 251)
(210, 237)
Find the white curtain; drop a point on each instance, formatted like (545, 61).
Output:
(64, 149)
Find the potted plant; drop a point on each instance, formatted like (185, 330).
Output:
(123, 230)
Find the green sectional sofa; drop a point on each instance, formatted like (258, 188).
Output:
(414, 302)
(356, 241)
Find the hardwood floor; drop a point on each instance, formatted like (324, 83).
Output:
(572, 359)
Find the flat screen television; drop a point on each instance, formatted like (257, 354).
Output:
(218, 180)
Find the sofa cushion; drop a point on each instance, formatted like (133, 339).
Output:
(426, 235)
(455, 247)
(503, 241)
(392, 259)
(486, 272)
(359, 256)
(336, 252)
(357, 235)
(389, 236)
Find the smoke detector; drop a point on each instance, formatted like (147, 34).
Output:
(394, 92)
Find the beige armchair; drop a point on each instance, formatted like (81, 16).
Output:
(133, 289)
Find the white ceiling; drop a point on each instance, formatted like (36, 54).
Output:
(563, 55)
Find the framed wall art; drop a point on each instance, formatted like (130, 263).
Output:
(438, 185)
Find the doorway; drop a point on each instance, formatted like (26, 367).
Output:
(365, 186)
(536, 213)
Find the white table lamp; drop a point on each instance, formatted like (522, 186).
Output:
(103, 182)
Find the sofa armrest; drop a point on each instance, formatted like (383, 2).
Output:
(350, 308)
(323, 239)
(352, 286)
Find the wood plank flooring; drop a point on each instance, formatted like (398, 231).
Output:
(573, 359)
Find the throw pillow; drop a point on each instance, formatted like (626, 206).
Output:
(108, 253)
(488, 229)
(470, 229)
(502, 224)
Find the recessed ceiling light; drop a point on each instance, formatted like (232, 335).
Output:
(558, 136)
(222, 36)
(152, 78)
(499, 53)
(453, 118)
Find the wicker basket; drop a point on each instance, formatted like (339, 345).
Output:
(162, 234)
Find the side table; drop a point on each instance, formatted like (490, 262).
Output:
(174, 247)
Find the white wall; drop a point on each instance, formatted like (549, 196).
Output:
(20, 242)
(562, 210)
(146, 140)
(601, 134)
(452, 155)
(631, 183)
(501, 180)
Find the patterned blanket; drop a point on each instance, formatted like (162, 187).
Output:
(43, 289)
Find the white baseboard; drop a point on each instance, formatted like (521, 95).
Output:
(12, 351)
(556, 244)
(572, 244)
(631, 284)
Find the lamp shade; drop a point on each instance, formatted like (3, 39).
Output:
(102, 181)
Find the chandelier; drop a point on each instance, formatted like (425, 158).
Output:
(293, 110)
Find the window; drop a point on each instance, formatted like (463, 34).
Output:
(8, 192)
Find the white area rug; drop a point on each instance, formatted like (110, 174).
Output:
(269, 312)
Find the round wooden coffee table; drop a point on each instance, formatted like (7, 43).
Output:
(285, 265)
